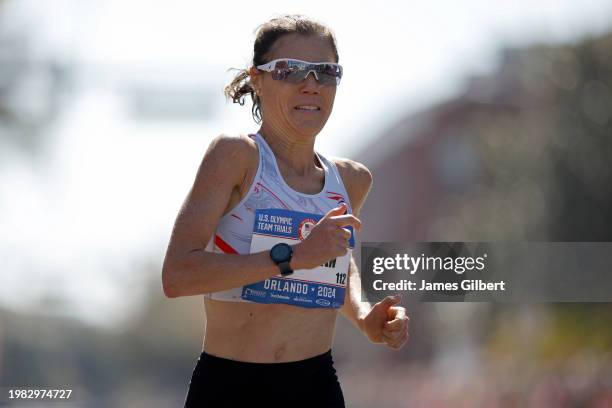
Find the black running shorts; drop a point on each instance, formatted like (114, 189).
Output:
(219, 382)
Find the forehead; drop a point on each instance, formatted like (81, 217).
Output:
(305, 48)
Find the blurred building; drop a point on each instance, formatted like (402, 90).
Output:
(427, 157)
(522, 153)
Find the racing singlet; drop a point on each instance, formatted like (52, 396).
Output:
(272, 212)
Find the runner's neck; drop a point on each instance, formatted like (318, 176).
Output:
(297, 155)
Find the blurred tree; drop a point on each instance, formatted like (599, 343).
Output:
(546, 162)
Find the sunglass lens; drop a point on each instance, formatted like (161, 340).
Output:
(281, 70)
(328, 74)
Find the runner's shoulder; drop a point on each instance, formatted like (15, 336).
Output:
(238, 147)
(357, 180)
(353, 173)
(229, 157)
(239, 151)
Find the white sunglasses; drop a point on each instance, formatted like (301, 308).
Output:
(295, 71)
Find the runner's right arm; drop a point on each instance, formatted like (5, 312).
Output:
(189, 269)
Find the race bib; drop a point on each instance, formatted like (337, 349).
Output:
(322, 286)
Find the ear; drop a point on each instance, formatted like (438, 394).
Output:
(255, 79)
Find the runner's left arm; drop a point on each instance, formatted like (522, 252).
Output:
(358, 182)
(383, 322)
(354, 309)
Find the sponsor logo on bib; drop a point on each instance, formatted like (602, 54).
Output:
(322, 302)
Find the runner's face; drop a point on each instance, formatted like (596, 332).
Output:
(280, 99)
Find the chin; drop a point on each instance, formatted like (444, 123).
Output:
(309, 128)
(314, 125)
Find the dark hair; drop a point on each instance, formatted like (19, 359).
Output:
(266, 35)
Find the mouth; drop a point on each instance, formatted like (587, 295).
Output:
(307, 108)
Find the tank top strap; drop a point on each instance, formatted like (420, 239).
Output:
(264, 149)
(331, 171)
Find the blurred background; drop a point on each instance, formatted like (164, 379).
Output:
(492, 122)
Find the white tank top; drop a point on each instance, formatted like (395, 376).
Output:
(269, 191)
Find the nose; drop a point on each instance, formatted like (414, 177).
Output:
(310, 84)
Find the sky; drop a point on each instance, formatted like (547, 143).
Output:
(89, 223)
